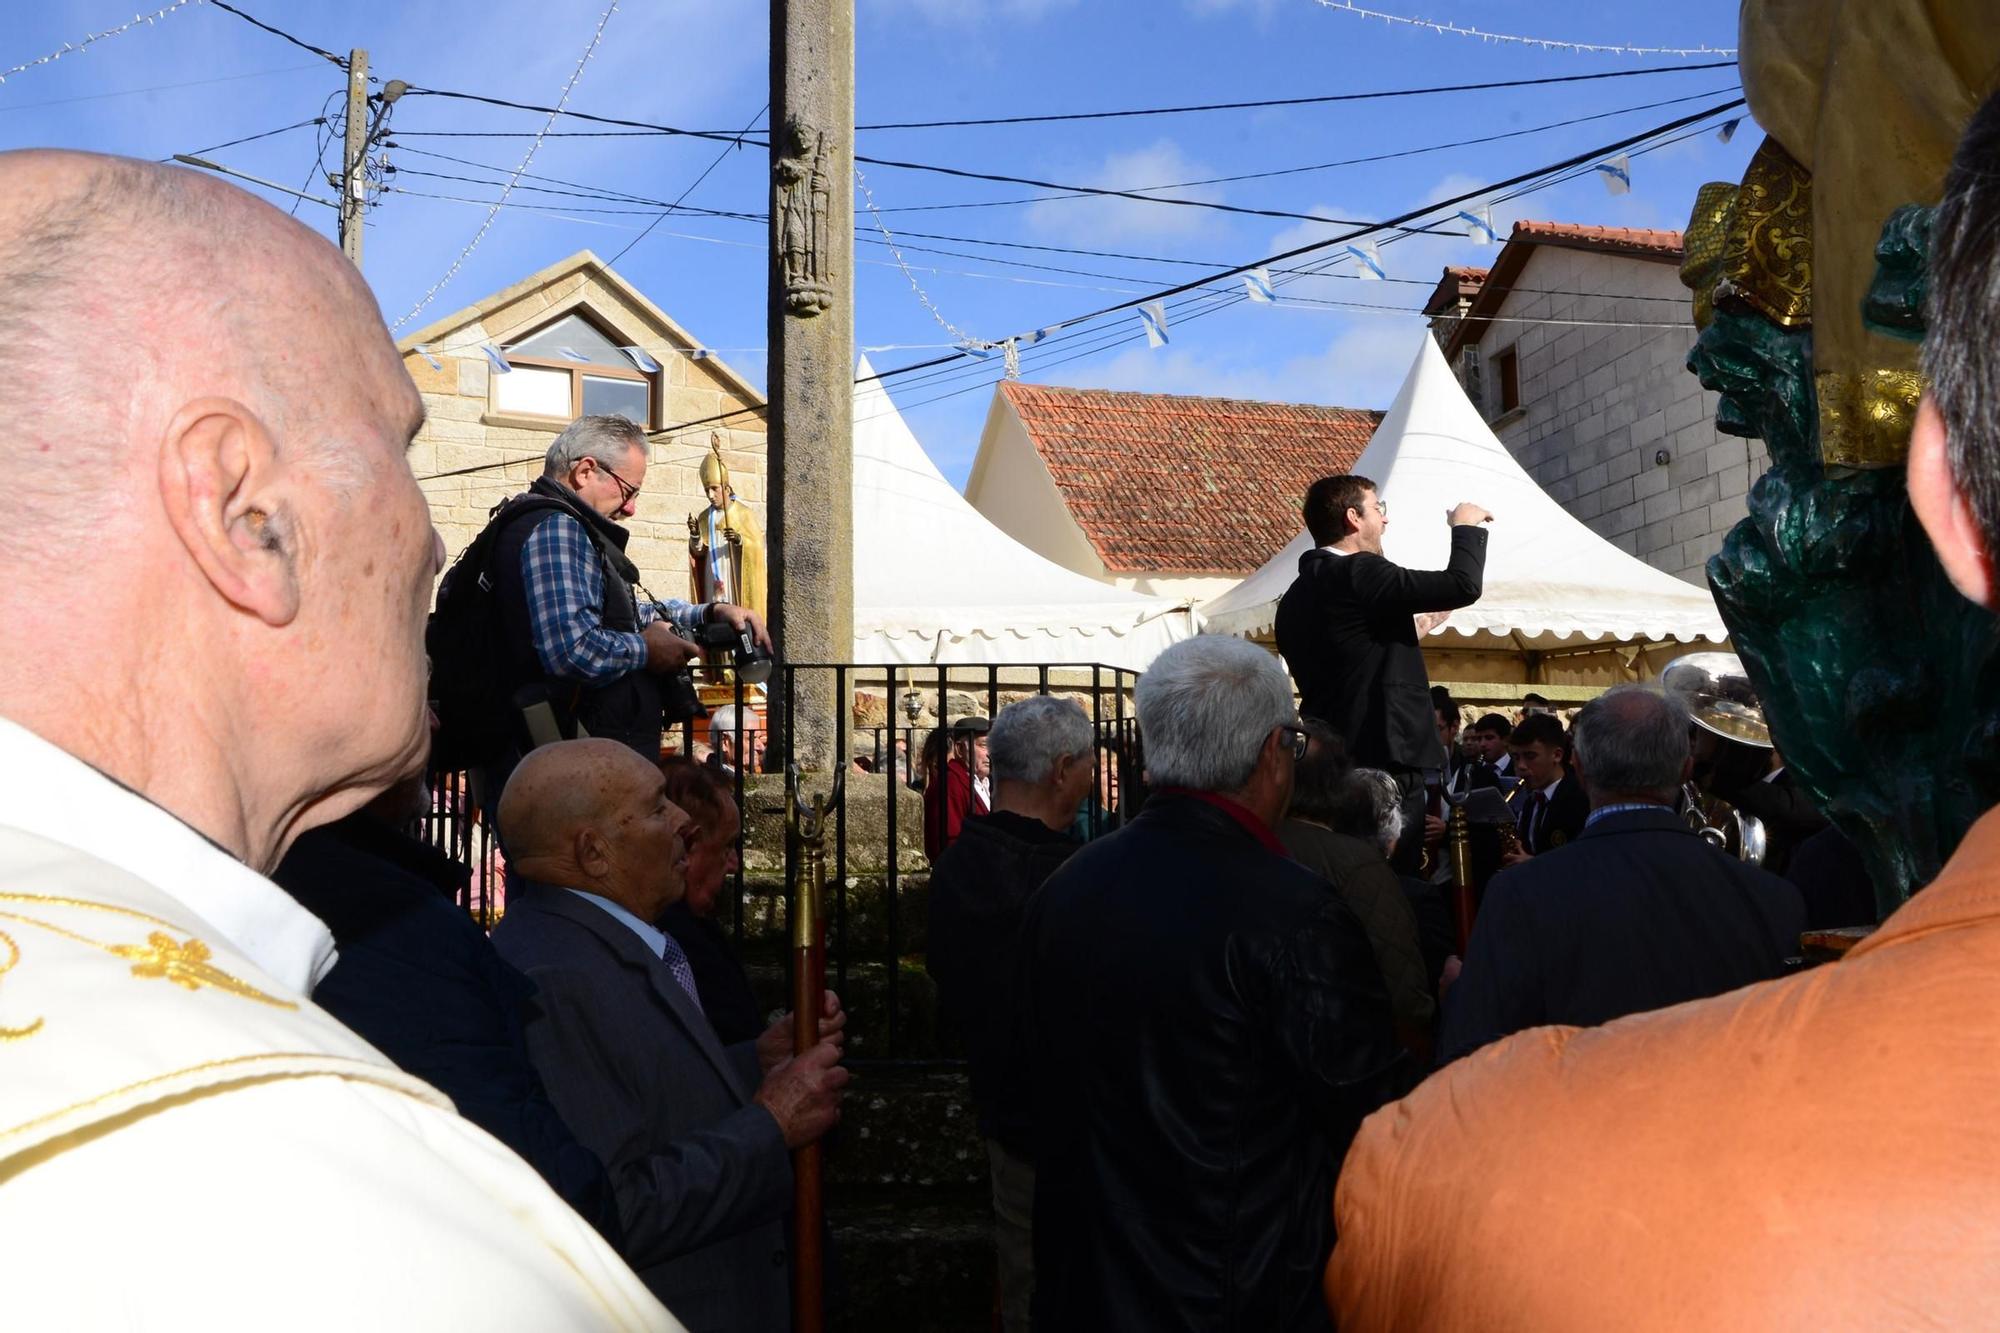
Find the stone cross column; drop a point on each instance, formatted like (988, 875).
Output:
(811, 342)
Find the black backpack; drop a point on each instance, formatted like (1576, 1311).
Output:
(471, 687)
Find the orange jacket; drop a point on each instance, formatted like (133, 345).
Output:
(1817, 1152)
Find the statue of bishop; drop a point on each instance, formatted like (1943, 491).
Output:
(725, 547)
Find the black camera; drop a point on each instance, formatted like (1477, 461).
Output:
(717, 639)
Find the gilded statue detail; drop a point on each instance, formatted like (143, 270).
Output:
(725, 547)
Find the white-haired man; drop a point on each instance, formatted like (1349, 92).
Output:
(580, 635)
(1206, 1023)
(184, 1137)
(1043, 763)
(737, 740)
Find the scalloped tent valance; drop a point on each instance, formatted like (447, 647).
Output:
(935, 581)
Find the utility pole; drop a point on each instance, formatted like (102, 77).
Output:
(354, 157)
(811, 327)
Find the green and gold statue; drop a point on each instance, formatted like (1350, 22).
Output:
(1881, 684)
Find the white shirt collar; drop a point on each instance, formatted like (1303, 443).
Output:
(53, 794)
(1550, 790)
(654, 938)
(1334, 550)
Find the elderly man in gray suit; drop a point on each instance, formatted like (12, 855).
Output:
(696, 1135)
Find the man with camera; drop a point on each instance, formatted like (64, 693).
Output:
(585, 648)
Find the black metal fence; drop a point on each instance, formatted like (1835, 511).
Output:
(891, 744)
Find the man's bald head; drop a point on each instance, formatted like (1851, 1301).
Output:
(593, 815)
(206, 436)
(192, 288)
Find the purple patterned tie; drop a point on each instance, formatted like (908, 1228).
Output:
(677, 963)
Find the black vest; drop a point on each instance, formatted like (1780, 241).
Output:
(627, 709)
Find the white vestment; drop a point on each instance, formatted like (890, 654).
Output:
(186, 1141)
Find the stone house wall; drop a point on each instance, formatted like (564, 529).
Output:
(1599, 404)
(461, 428)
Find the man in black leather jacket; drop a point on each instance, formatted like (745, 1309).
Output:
(1206, 1025)
(1042, 762)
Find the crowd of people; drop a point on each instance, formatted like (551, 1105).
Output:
(326, 1098)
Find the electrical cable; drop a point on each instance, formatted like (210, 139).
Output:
(153, 88)
(299, 42)
(596, 36)
(719, 157)
(248, 138)
(1567, 169)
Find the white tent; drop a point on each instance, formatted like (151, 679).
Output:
(1554, 590)
(935, 582)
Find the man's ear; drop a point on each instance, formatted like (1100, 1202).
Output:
(593, 855)
(1945, 510)
(225, 498)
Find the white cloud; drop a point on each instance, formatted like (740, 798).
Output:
(1124, 220)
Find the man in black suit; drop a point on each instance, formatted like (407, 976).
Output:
(1492, 761)
(619, 1037)
(1206, 1026)
(1638, 913)
(1348, 629)
(1550, 807)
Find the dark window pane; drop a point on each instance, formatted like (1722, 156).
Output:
(626, 398)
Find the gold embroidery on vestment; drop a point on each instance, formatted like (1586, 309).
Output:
(183, 962)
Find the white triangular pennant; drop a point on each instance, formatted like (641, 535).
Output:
(1257, 286)
(1479, 225)
(1616, 174)
(1153, 318)
(1368, 261)
(641, 359)
(499, 362)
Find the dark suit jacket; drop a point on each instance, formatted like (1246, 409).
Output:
(1638, 913)
(727, 996)
(1789, 816)
(421, 982)
(1206, 1025)
(1561, 822)
(700, 1171)
(1347, 632)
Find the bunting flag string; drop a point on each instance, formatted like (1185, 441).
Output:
(1728, 130)
(424, 351)
(640, 359)
(1153, 318)
(1479, 224)
(1013, 353)
(498, 362)
(1368, 259)
(1616, 174)
(1257, 286)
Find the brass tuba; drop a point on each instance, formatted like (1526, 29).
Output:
(1722, 703)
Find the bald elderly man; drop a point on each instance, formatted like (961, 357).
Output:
(214, 581)
(697, 1135)
(1813, 1153)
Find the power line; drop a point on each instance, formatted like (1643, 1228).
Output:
(251, 138)
(1287, 101)
(152, 88)
(280, 33)
(486, 224)
(1567, 169)
(1343, 162)
(866, 160)
(697, 181)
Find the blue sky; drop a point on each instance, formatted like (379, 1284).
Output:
(201, 76)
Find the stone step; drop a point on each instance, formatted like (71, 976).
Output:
(915, 1263)
(912, 1129)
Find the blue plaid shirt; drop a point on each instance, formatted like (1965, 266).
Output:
(565, 582)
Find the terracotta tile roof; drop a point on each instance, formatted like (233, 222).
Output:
(1169, 483)
(1620, 240)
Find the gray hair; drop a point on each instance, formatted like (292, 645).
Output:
(1030, 735)
(1632, 740)
(1206, 707)
(1369, 806)
(724, 721)
(608, 439)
